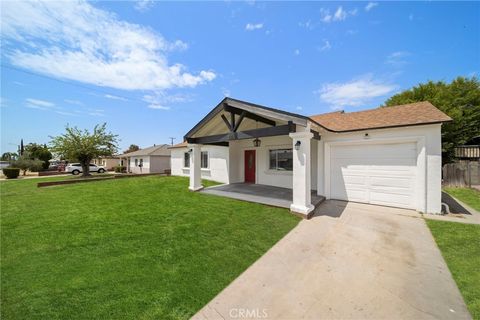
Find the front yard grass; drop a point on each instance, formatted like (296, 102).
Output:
(460, 247)
(470, 197)
(138, 248)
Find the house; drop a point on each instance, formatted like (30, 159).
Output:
(155, 159)
(108, 162)
(387, 156)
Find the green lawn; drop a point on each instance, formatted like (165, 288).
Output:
(470, 197)
(138, 248)
(460, 246)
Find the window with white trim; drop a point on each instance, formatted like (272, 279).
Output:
(281, 159)
(136, 162)
(204, 160)
(186, 160)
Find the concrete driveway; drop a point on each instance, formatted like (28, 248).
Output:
(349, 261)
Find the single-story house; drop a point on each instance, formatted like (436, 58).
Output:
(386, 156)
(155, 159)
(108, 162)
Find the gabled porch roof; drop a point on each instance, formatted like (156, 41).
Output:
(234, 119)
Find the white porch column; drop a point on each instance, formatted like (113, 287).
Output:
(302, 197)
(195, 173)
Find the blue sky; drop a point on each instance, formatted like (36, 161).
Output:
(152, 70)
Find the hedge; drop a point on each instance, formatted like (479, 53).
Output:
(11, 173)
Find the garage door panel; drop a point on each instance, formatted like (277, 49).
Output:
(394, 182)
(388, 199)
(382, 174)
(377, 151)
(357, 195)
(351, 179)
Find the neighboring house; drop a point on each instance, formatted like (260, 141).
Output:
(155, 159)
(387, 156)
(108, 162)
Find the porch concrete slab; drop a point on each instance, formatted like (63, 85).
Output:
(269, 195)
(349, 261)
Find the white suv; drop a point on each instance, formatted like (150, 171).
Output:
(76, 168)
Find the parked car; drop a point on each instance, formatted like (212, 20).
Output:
(76, 168)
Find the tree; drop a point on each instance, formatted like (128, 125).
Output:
(21, 149)
(9, 156)
(26, 162)
(37, 151)
(132, 148)
(83, 146)
(459, 99)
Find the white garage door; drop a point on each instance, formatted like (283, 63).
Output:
(382, 174)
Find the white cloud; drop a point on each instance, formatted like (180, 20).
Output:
(113, 97)
(144, 5)
(296, 52)
(326, 46)
(253, 26)
(161, 100)
(355, 92)
(65, 113)
(39, 104)
(307, 25)
(410, 17)
(339, 15)
(398, 58)
(75, 102)
(45, 105)
(158, 107)
(370, 6)
(226, 92)
(77, 41)
(299, 108)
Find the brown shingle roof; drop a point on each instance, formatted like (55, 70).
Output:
(396, 116)
(160, 150)
(179, 145)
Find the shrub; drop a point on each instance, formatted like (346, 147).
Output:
(121, 169)
(11, 173)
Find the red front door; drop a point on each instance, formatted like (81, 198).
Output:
(250, 166)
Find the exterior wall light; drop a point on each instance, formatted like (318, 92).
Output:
(256, 142)
(297, 145)
(190, 151)
(366, 136)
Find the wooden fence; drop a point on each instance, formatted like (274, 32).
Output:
(463, 173)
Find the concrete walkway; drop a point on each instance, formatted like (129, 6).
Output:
(349, 261)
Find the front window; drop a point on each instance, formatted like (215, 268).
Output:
(186, 160)
(141, 163)
(204, 160)
(281, 159)
(136, 162)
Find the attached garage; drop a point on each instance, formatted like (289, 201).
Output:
(383, 174)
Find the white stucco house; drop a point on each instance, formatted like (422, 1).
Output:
(386, 156)
(154, 159)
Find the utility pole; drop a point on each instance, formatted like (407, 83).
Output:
(171, 138)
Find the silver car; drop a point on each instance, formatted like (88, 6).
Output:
(76, 168)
